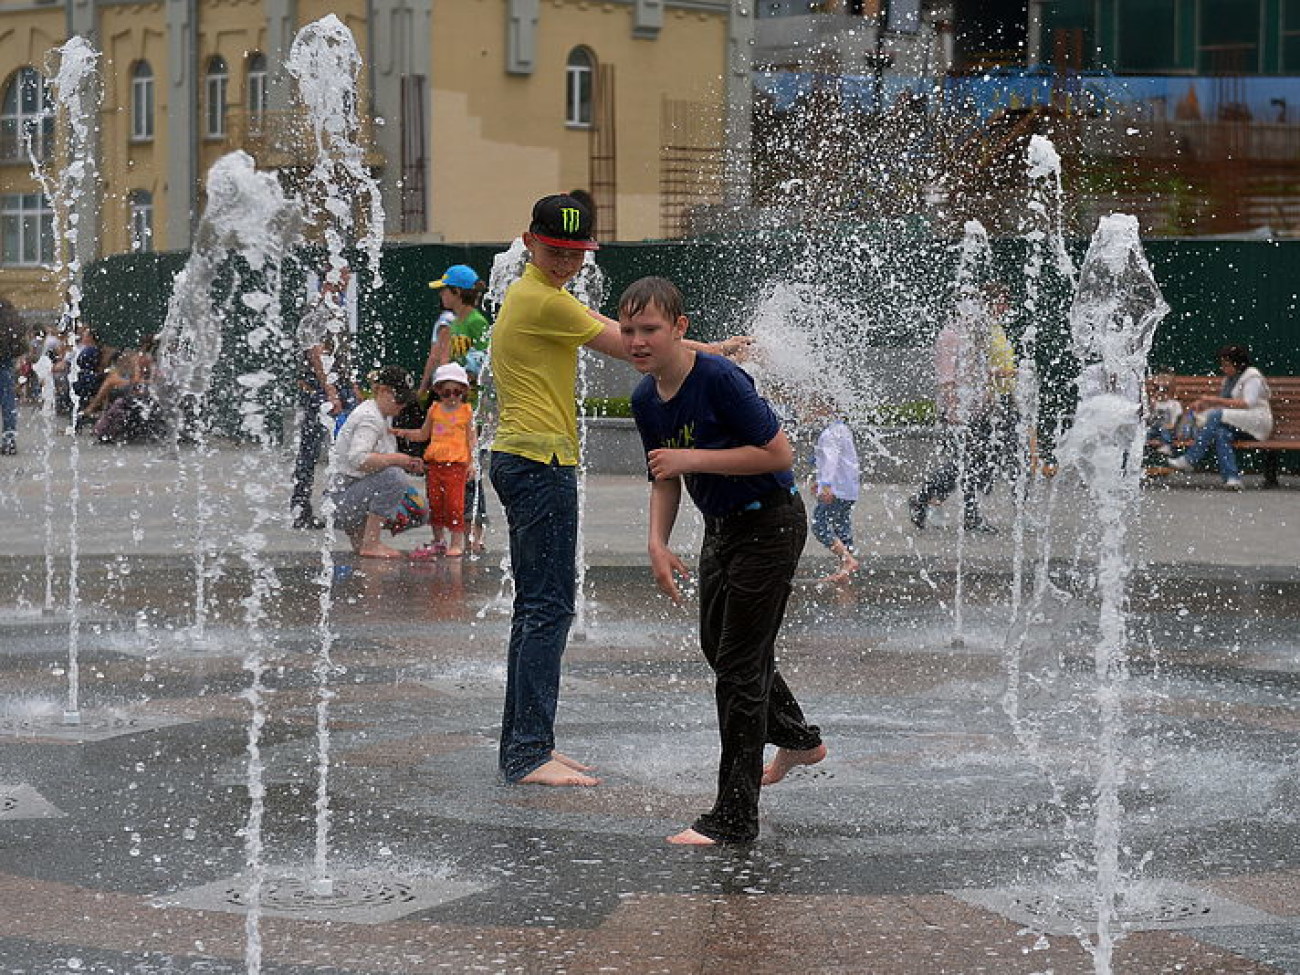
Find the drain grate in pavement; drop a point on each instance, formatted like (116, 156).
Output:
(352, 897)
(1148, 906)
(95, 725)
(24, 802)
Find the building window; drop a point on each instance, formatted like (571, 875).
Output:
(26, 230)
(258, 93)
(142, 102)
(25, 114)
(578, 84)
(215, 83)
(140, 203)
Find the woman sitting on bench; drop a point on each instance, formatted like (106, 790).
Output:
(1240, 410)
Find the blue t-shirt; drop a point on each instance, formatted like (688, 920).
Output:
(716, 408)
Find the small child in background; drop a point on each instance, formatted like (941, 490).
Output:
(1166, 412)
(835, 488)
(449, 431)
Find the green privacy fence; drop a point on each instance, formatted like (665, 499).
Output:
(896, 277)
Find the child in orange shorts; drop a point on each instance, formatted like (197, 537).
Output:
(449, 431)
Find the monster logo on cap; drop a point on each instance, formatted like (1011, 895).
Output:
(562, 221)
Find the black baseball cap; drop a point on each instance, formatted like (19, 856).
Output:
(397, 379)
(563, 221)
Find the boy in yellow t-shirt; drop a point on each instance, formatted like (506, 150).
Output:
(534, 357)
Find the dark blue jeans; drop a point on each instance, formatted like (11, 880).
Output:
(541, 505)
(8, 397)
(1217, 436)
(832, 521)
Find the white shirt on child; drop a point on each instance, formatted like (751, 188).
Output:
(837, 461)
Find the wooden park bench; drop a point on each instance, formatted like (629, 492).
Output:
(1284, 402)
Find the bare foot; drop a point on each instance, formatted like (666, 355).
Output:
(380, 551)
(787, 758)
(455, 553)
(572, 763)
(557, 773)
(849, 564)
(836, 578)
(688, 837)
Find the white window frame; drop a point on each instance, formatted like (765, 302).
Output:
(216, 85)
(258, 92)
(579, 88)
(26, 230)
(140, 205)
(17, 117)
(142, 102)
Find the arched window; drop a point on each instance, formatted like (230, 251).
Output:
(24, 114)
(258, 94)
(140, 205)
(578, 73)
(142, 101)
(215, 83)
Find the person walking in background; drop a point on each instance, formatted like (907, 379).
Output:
(703, 424)
(973, 363)
(326, 388)
(449, 431)
(835, 485)
(1240, 410)
(13, 345)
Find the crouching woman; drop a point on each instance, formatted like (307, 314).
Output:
(370, 475)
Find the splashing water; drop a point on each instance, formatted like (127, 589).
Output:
(247, 217)
(1116, 310)
(326, 64)
(76, 94)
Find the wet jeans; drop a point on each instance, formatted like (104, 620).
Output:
(9, 397)
(747, 562)
(541, 505)
(974, 475)
(1220, 436)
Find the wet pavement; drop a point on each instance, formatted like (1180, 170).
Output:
(949, 831)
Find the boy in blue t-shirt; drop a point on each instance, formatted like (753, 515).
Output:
(703, 423)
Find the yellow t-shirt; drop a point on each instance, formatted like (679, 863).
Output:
(535, 365)
(1002, 359)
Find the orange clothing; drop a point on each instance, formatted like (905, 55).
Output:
(449, 437)
(445, 482)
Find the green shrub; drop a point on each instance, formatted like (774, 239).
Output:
(620, 406)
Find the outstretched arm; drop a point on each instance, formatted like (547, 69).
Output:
(609, 342)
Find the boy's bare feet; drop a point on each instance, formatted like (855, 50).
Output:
(557, 773)
(572, 763)
(688, 837)
(787, 758)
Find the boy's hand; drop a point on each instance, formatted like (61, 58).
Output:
(736, 347)
(665, 462)
(666, 567)
(825, 495)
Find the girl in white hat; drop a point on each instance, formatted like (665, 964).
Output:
(449, 431)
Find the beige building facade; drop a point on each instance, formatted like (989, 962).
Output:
(471, 109)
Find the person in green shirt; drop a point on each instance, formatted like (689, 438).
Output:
(461, 328)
